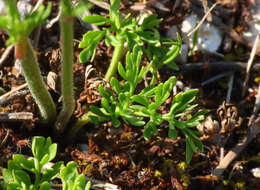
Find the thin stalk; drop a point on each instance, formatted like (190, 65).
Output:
(117, 54)
(66, 26)
(35, 82)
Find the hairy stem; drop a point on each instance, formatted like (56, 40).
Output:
(66, 26)
(36, 84)
(117, 54)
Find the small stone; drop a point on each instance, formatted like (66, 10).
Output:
(256, 172)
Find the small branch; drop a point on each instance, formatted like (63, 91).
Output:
(230, 86)
(5, 138)
(249, 64)
(6, 54)
(211, 67)
(206, 9)
(14, 117)
(6, 95)
(223, 27)
(103, 5)
(5, 101)
(215, 78)
(203, 19)
(256, 107)
(53, 21)
(39, 2)
(234, 152)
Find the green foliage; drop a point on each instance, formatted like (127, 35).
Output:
(133, 32)
(71, 179)
(16, 28)
(122, 103)
(20, 169)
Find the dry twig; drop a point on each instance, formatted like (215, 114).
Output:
(234, 152)
(256, 107)
(12, 91)
(6, 54)
(249, 64)
(203, 19)
(17, 116)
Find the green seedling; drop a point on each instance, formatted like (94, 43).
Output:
(18, 32)
(20, 169)
(128, 31)
(122, 103)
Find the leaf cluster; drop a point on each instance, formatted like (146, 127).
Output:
(123, 103)
(18, 29)
(127, 29)
(20, 169)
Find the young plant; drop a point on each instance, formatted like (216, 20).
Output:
(160, 51)
(128, 31)
(17, 176)
(18, 32)
(122, 103)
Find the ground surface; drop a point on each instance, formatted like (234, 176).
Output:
(121, 156)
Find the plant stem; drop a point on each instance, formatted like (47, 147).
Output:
(36, 84)
(117, 54)
(66, 26)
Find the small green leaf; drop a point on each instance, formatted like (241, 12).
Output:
(96, 19)
(105, 104)
(45, 186)
(151, 22)
(134, 120)
(174, 52)
(189, 152)
(115, 4)
(51, 173)
(121, 71)
(7, 176)
(172, 133)
(114, 40)
(69, 172)
(86, 54)
(149, 130)
(21, 176)
(141, 100)
(24, 163)
(88, 186)
(115, 85)
(97, 111)
(115, 122)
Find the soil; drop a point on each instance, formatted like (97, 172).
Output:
(121, 156)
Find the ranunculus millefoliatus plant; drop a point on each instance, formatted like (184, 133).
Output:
(18, 31)
(123, 103)
(128, 31)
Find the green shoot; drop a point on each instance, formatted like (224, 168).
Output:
(18, 34)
